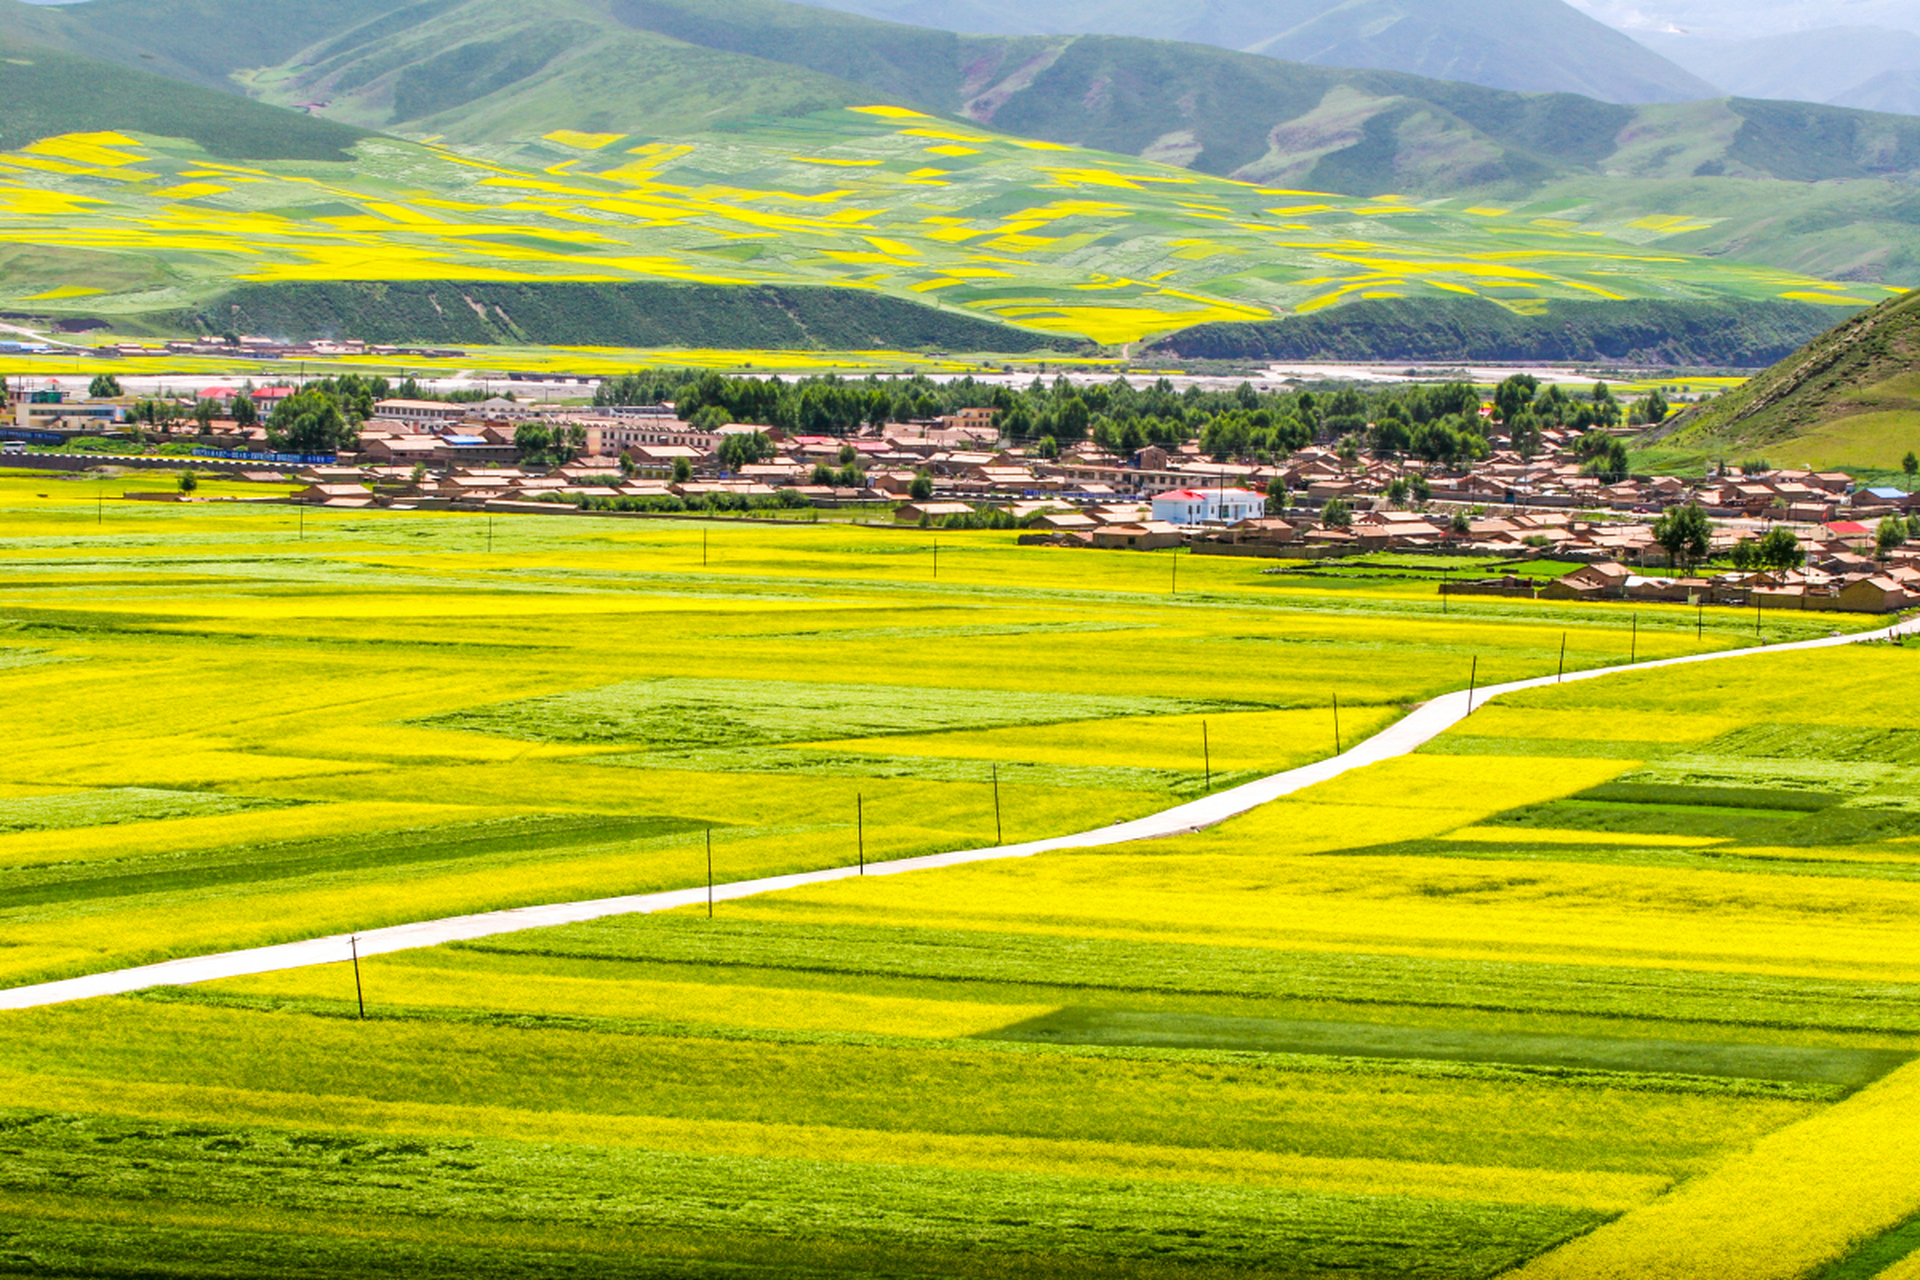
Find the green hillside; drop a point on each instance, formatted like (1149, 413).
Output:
(45, 92)
(487, 71)
(1815, 190)
(1851, 397)
(1050, 239)
(1660, 334)
(606, 315)
(746, 143)
(1819, 190)
(200, 41)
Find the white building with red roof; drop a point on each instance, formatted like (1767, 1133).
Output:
(1209, 506)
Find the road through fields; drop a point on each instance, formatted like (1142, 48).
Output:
(1422, 725)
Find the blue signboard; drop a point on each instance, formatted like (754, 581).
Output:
(297, 459)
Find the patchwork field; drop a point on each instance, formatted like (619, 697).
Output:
(1618, 978)
(1045, 237)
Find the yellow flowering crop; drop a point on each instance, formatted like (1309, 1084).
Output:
(1798, 1198)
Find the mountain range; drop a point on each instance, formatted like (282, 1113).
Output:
(1722, 198)
(498, 71)
(1532, 46)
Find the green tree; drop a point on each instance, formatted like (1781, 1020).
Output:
(922, 487)
(534, 440)
(1399, 491)
(1745, 554)
(1277, 496)
(1337, 514)
(1654, 409)
(419, 473)
(104, 387)
(1779, 549)
(682, 471)
(745, 448)
(203, 413)
(1610, 464)
(1892, 532)
(1684, 534)
(1462, 523)
(1074, 418)
(245, 412)
(189, 481)
(309, 422)
(1910, 464)
(1515, 395)
(627, 466)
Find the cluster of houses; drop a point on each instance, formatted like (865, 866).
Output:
(1837, 575)
(421, 452)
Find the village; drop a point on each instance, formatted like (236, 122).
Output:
(1849, 547)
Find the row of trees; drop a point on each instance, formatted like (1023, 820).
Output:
(1686, 536)
(1439, 423)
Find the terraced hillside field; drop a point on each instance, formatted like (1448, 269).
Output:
(1588, 982)
(1047, 239)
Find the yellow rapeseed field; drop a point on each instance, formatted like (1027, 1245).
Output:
(1798, 1198)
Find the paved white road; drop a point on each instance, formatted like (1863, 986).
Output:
(1424, 724)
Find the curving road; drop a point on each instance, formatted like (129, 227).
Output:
(1426, 722)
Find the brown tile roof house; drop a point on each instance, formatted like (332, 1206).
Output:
(1589, 582)
(402, 449)
(1148, 535)
(1877, 594)
(336, 495)
(913, 512)
(1015, 478)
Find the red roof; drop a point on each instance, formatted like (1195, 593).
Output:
(1200, 495)
(1848, 527)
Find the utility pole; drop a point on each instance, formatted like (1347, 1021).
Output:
(1206, 753)
(936, 559)
(1633, 645)
(703, 548)
(999, 833)
(1336, 723)
(1562, 674)
(359, 992)
(1473, 682)
(1176, 572)
(489, 535)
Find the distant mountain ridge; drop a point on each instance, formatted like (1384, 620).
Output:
(503, 71)
(1531, 46)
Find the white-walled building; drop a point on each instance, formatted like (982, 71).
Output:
(1209, 506)
(427, 412)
